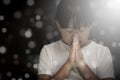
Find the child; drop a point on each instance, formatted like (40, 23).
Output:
(75, 57)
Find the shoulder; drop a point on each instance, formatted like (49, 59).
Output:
(102, 50)
(49, 49)
(52, 45)
(100, 46)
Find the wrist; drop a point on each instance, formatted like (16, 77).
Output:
(81, 63)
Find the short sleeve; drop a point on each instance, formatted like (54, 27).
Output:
(44, 65)
(105, 64)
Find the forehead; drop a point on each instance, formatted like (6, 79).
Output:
(75, 23)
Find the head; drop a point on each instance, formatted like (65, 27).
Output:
(74, 17)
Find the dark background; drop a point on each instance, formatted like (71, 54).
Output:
(27, 25)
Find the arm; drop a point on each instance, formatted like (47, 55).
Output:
(44, 77)
(82, 67)
(64, 70)
(60, 75)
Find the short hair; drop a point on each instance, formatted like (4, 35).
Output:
(68, 9)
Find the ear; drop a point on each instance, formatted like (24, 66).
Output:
(58, 25)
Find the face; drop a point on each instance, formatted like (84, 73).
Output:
(67, 33)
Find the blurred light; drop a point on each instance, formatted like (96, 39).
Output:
(38, 24)
(29, 64)
(13, 78)
(102, 32)
(27, 75)
(16, 62)
(28, 33)
(6, 2)
(38, 17)
(3, 50)
(32, 19)
(114, 44)
(113, 4)
(15, 56)
(57, 2)
(49, 36)
(31, 44)
(101, 42)
(4, 30)
(9, 74)
(20, 79)
(1, 18)
(55, 33)
(93, 5)
(17, 15)
(27, 51)
(30, 2)
(119, 44)
(35, 66)
(39, 11)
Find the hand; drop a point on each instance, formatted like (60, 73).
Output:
(78, 53)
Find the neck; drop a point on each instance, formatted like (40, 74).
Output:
(86, 43)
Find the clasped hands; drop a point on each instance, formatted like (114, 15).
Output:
(75, 56)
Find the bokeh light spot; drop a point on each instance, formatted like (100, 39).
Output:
(4, 30)
(15, 56)
(35, 66)
(27, 51)
(31, 44)
(101, 42)
(114, 44)
(30, 2)
(6, 2)
(2, 17)
(38, 24)
(20, 79)
(29, 65)
(13, 78)
(28, 33)
(3, 49)
(17, 15)
(27, 75)
(119, 44)
(38, 17)
(49, 36)
(9, 74)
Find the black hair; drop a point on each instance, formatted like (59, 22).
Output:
(68, 9)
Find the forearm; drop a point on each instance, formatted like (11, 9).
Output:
(86, 72)
(63, 72)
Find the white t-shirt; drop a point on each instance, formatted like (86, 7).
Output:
(97, 57)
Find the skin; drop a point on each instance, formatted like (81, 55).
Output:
(76, 39)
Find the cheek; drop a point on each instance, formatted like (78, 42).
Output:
(67, 37)
(83, 37)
